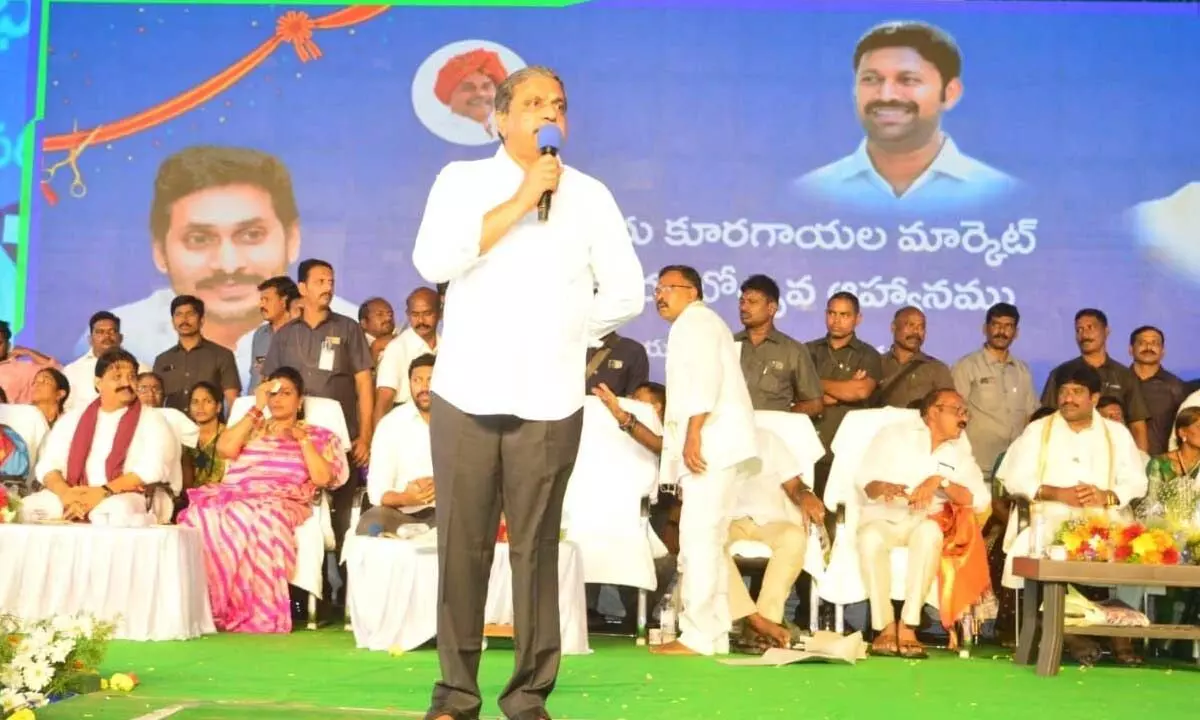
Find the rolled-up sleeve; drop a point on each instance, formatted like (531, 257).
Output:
(448, 240)
(621, 293)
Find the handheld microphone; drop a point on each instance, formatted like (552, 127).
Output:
(549, 137)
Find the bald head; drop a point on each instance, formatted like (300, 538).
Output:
(423, 308)
(908, 329)
(421, 293)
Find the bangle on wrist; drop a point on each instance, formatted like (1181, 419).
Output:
(255, 414)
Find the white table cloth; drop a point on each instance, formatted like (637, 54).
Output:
(392, 593)
(149, 581)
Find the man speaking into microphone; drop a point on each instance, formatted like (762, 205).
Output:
(507, 407)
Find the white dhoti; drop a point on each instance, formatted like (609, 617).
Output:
(708, 500)
(876, 540)
(124, 510)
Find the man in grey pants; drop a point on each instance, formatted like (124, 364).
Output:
(507, 406)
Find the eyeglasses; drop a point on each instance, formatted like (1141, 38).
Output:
(956, 409)
(663, 289)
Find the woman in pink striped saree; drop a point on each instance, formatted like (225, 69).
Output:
(248, 521)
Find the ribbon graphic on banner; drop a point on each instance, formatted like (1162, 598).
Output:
(293, 27)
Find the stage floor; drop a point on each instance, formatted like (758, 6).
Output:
(322, 675)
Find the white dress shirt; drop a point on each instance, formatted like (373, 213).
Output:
(704, 375)
(486, 365)
(902, 454)
(760, 497)
(81, 373)
(392, 371)
(148, 455)
(1050, 453)
(399, 454)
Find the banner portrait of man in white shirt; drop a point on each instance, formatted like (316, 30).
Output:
(506, 415)
(709, 445)
(222, 221)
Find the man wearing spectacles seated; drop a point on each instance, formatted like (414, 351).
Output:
(923, 488)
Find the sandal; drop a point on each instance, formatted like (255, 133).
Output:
(1124, 654)
(1082, 649)
(913, 651)
(886, 646)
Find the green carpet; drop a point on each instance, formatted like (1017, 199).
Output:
(321, 675)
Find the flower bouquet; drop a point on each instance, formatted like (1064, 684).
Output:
(10, 505)
(1088, 539)
(48, 660)
(1096, 539)
(1141, 545)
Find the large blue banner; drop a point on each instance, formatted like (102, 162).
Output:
(737, 141)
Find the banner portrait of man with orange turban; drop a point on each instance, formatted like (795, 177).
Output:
(467, 84)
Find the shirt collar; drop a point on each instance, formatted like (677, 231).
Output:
(505, 164)
(1161, 374)
(987, 358)
(774, 336)
(949, 162)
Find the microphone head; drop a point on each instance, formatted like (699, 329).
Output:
(549, 137)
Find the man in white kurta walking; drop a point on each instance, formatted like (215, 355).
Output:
(709, 444)
(507, 407)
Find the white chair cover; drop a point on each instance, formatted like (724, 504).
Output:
(187, 433)
(31, 425)
(315, 536)
(602, 509)
(393, 590)
(843, 583)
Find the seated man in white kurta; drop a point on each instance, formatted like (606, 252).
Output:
(762, 516)
(913, 470)
(100, 459)
(1072, 462)
(400, 479)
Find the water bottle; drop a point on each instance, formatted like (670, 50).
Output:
(667, 622)
(1037, 528)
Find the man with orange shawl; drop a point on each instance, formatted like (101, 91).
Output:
(923, 489)
(466, 84)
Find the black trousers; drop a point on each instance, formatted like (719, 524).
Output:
(482, 465)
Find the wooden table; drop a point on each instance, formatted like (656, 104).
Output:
(1046, 583)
